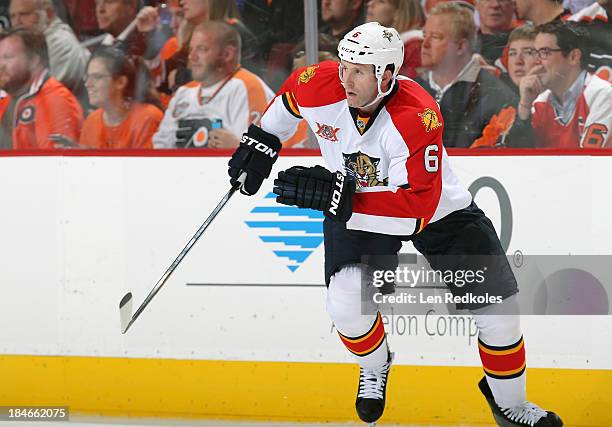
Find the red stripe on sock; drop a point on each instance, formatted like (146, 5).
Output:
(506, 361)
(368, 342)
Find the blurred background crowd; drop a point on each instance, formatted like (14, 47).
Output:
(149, 74)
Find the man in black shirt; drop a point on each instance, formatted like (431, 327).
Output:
(496, 18)
(596, 20)
(339, 16)
(541, 11)
(4, 15)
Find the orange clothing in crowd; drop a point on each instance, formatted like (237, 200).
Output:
(299, 138)
(169, 49)
(47, 116)
(136, 131)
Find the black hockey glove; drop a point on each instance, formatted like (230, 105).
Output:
(316, 188)
(185, 130)
(256, 154)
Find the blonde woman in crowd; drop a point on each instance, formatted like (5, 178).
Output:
(407, 17)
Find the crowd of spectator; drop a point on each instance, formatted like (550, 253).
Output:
(152, 74)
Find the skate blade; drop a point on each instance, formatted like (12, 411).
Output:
(502, 422)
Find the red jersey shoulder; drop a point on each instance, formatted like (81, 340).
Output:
(316, 85)
(412, 109)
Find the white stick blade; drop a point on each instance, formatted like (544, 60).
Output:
(125, 311)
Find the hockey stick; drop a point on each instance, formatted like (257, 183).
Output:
(125, 306)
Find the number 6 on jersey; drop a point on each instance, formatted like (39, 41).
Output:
(431, 158)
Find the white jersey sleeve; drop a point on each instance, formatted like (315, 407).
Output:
(165, 137)
(598, 122)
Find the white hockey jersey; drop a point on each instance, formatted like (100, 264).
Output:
(397, 158)
(232, 105)
(587, 126)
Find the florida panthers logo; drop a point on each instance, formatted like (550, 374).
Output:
(364, 169)
(307, 74)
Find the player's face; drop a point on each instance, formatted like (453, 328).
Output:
(556, 67)
(381, 11)
(495, 15)
(521, 59)
(98, 82)
(438, 42)
(15, 67)
(23, 14)
(359, 83)
(204, 56)
(195, 11)
(114, 15)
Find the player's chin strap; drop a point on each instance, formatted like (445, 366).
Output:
(381, 94)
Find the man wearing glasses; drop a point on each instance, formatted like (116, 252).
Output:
(561, 104)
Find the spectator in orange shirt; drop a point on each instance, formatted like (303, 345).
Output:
(121, 120)
(36, 111)
(67, 58)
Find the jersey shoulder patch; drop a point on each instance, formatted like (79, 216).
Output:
(317, 85)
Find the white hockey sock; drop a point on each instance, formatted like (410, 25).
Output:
(358, 322)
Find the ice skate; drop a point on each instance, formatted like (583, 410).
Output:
(525, 414)
(370, 402)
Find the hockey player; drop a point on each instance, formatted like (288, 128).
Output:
(387, 179)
